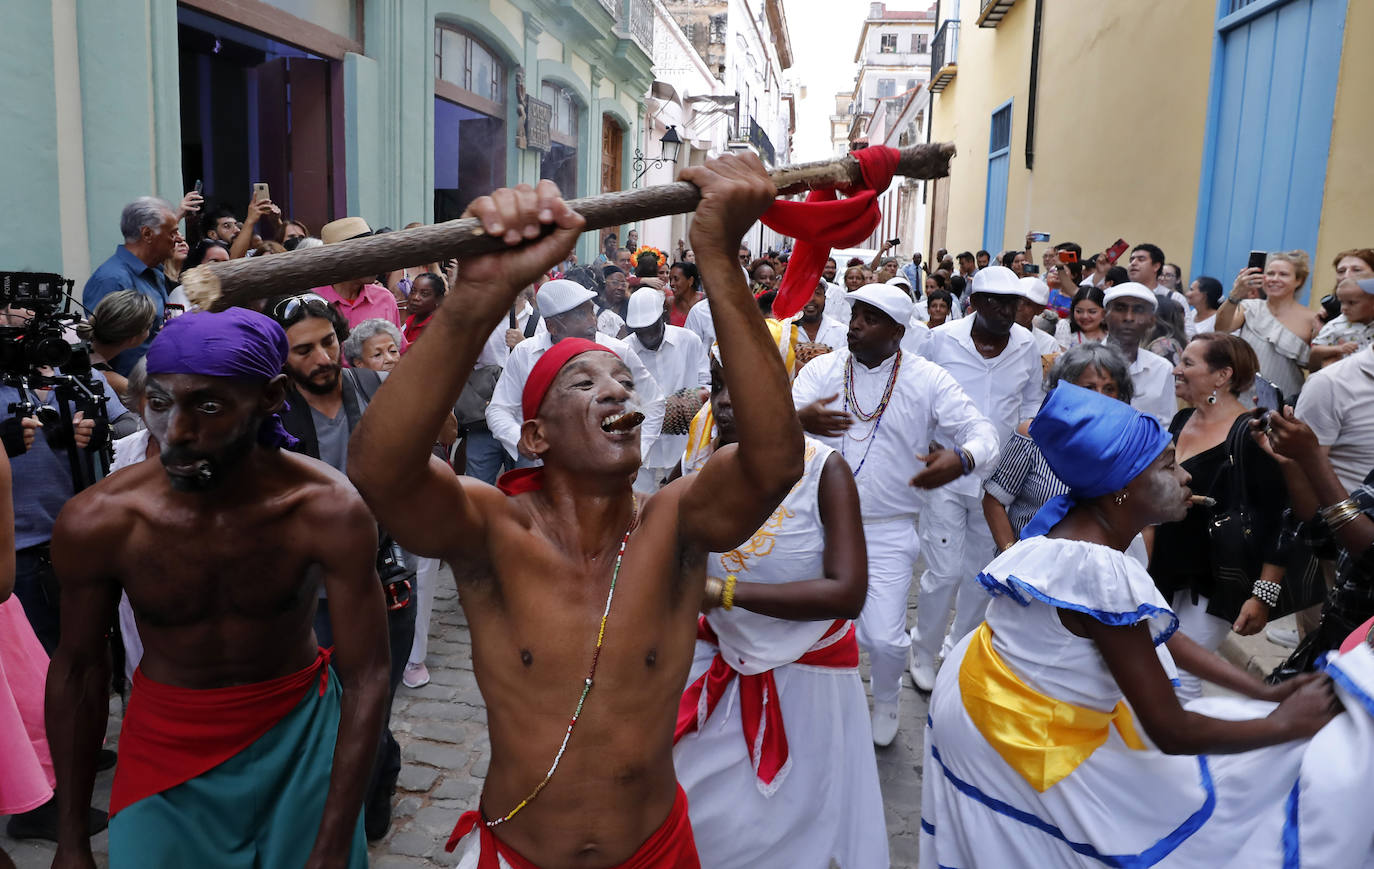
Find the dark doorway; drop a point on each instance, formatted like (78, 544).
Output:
(469, 157)
(257, 110)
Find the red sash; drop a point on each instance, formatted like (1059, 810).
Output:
(764, 733)
(171, 735)
(670, 847)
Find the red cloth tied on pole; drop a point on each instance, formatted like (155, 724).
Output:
(823, 222)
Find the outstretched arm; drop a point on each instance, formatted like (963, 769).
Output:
(389, 455)
(840, 593)
(76, 706)
(362, 659)
(739, 487)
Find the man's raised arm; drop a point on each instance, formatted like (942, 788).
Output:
(740, 486)
(389, 455)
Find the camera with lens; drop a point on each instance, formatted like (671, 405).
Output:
(39, 350)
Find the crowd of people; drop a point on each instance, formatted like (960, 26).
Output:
(675, 519)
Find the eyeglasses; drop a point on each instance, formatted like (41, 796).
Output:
(292, 306)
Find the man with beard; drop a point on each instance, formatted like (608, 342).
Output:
(998, 364)
(816, 327)
(239, 745)
(581, 596)
(324, 405)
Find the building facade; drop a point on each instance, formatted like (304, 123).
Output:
(1210, 129)
(394, 110)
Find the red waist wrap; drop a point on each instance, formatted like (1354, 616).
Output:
(758, 697)
(670, 847)
(171, 735)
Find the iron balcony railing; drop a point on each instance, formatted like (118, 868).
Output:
(944, 55)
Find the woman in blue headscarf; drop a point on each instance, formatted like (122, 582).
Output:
(1054, 736)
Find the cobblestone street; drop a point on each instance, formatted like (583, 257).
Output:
(442, 731)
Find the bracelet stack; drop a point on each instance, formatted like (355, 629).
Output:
(727, 593)
(1340, 514)
(965, 459)
(1267, 592)
(720, 592)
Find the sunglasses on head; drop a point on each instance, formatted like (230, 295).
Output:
(292, 306)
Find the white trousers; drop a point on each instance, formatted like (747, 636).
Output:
(892, 551)
(958, 545)
(1206, 630)
(426, 578)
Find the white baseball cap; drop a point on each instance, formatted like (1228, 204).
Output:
(646, 308)
(889, 299)
(1131, 290)
(1036, 290)
(997, 280)
(561, 296)
(899, 281)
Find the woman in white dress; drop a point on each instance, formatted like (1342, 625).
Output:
(1054, 736)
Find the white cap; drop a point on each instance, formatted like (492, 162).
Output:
(997, 280)
(1036, 290)
(1131, 290)
(646, 308)
(899, 281)
(886, 298)
(561, 296)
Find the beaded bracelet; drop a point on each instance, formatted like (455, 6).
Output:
(1267, 592)
(727, 593)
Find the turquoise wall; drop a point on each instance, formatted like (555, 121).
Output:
(28, 145)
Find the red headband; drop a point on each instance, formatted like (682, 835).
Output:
(546, 370)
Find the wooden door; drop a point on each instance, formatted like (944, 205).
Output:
(612, 146)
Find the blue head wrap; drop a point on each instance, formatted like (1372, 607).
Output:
(1094, 444)
(237, 343)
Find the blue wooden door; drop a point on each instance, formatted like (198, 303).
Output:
(999, 168)
(1268, 131)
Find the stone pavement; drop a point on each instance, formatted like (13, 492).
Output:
(442, 731)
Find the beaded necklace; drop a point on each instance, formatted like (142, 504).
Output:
(852, 401)
(586, 684)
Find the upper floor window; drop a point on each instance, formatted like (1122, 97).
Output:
(920, 43)
(887, 43)
(462, 59)
(564, 120)
(887, 87)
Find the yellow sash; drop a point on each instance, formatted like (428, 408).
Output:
(1042, 738)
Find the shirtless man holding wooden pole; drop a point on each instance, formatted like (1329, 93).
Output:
(582, 600)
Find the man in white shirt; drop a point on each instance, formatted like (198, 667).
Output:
(567, 310)
(1144, 266)
(882, 409)
(700, 324)
(1130, 320)
(815, 327)
(998, 365)
(677, 362)
(1338, 403)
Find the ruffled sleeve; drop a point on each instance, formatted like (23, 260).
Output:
(1264, 324)
(1095, 580)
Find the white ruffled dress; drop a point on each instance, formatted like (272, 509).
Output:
(1119, 807)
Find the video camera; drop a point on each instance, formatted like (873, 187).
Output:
(38, 351)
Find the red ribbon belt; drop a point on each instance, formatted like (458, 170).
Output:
(758, 697)
(670, 847)
(823, 222)
(171, 735)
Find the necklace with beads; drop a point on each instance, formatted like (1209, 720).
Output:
(851, 405)
(586, 683)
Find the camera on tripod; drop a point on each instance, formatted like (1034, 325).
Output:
(38, 352)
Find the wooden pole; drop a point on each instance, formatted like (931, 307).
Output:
(217, 286)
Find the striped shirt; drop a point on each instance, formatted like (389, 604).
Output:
(1022, 481)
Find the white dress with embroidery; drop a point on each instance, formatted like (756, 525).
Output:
(825, 808)
(1119, 806)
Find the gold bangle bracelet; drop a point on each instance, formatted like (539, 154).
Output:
(714, 589)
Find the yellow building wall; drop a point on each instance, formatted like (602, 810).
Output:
(1128, 169)
(1348, 202)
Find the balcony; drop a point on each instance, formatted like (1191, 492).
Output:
(641, 14)
(759, 139)
(944, 55)
(993, 12)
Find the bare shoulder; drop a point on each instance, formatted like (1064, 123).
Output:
(102, 512)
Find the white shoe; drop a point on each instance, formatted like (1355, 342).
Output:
(1287, 637)
(415, 675)
(885, 720)
(922, 672)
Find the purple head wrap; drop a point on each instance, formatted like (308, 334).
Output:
(236, 343)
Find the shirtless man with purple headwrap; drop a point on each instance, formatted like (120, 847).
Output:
(240, 745)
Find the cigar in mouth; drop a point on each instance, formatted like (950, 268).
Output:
(1203, 500)
(622, 421)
